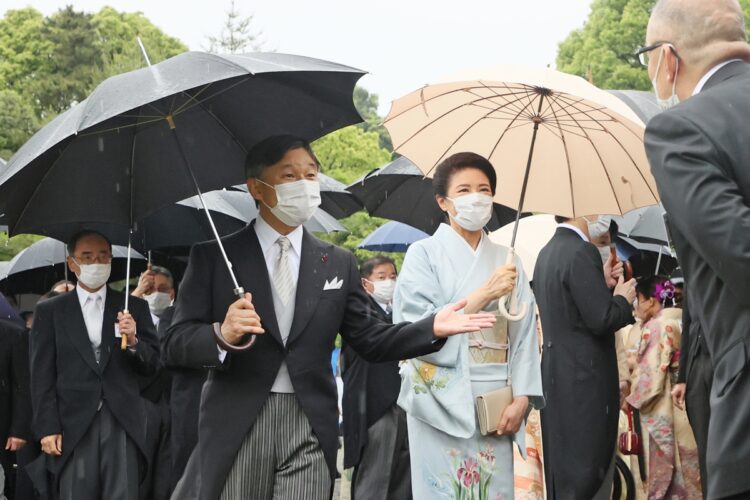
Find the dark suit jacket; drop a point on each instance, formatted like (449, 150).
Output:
(370, 389)
(700, 156)
(235, 391)
(67, 384)
(15, 403)
(184, 405)
(579, 365)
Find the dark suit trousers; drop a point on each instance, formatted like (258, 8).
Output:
(697, 403)
(104, 464)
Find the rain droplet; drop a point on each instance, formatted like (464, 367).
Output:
(100, 143)
(117, 187)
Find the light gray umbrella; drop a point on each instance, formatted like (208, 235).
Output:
(641, 102)
(645, 225)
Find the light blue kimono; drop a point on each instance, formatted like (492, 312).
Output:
(449, 457)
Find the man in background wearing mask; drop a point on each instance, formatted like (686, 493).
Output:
(697, 55)
(269, 423)
(84, 390)
(375, 436)
(580, 310)
(156, 287)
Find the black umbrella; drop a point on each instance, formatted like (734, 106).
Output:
(145, 139)
(36, 268)
(399, 191)
(643, 103)
(335, 200)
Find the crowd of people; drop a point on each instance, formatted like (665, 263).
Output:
(205, 390)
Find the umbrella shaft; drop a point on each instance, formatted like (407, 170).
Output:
(526, 174)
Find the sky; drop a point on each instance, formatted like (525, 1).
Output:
(403, 44)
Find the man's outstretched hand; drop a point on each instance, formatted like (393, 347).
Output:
(450, 322)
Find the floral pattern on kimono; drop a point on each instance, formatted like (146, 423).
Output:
(673, 470)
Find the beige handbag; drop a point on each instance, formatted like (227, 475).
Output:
(492, 404)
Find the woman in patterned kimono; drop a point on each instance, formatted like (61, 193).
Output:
(672, 456)
(449, 456)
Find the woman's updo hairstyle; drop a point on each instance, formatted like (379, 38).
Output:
(460, 161)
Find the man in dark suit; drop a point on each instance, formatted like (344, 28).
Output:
(268, 422)
(579, 315)
(85, 393)
(697, 55)
(376, 443)
(14, 397)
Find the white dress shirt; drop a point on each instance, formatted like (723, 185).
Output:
(267, 237)
(702, 82)
(574, 229)
(93, 314)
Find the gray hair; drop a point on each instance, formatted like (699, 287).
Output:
(698, 28)
(164, 272)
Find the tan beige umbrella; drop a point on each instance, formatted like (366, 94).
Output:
(534, 232)
(559, 145)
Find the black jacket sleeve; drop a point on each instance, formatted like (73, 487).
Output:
(684, 345)
(20, 426)
(43, 358)
(601, 313)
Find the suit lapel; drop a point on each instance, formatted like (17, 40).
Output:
(253, 276)
(313, 271)
(75, 328)
(112, 306)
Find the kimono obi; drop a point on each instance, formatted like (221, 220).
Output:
(490, 345)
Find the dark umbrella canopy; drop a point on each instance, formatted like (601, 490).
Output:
(126, 146)
(641, 102)
(36, 268)
(399, 191)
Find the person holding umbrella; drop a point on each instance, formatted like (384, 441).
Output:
(268, 422)
(84, 391)
(440, 391)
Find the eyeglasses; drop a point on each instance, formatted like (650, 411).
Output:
(642, 53)
(89, 259)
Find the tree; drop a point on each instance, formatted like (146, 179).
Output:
(367, 105)
(23, 52)
(17, 122)
(603, 48)
(237, 35)
(350, 153)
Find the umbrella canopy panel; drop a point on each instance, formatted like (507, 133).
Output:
(392, 237)
(130, 139)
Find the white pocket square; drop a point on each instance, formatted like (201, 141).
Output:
(334, 284)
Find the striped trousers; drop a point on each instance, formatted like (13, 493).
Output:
(280, 458)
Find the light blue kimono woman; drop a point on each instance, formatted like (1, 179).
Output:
(449, 456)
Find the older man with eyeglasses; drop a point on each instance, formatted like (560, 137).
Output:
(85, 395)
(697, 57)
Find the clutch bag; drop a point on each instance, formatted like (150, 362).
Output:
(490, 406)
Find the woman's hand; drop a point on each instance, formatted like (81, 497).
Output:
(512, 418)
(502, 281)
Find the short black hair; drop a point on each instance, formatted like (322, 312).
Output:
(271, 150)
(370, 264)
(82, 234)
(561, 220)
(164, 272)
(460, 161)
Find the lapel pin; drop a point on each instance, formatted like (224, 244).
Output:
(324, 258)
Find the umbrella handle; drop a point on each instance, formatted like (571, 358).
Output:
(512, 299)
(123, 338)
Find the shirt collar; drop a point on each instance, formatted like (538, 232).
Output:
(267, 236)
(83, 295)
(702, 82)
(573, 228)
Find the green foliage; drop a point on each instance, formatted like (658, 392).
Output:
(602, 50)
(9, 247)
(17, 122)
(350, 153)
(367, 105)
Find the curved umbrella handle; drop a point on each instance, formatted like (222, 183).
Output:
(513, 299)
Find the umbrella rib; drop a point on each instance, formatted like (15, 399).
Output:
(120, 127)
(612, 187)
(424, 101)
(567, 162)
(625, 150)
(507, 127)
(503, 96)
(466, 132)
(430, 123)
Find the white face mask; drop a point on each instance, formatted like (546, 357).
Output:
(383, 290)
(473, 211)
(673, 100)
(94, 276)
(158, 302)
(598, 227)
(296, 201)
